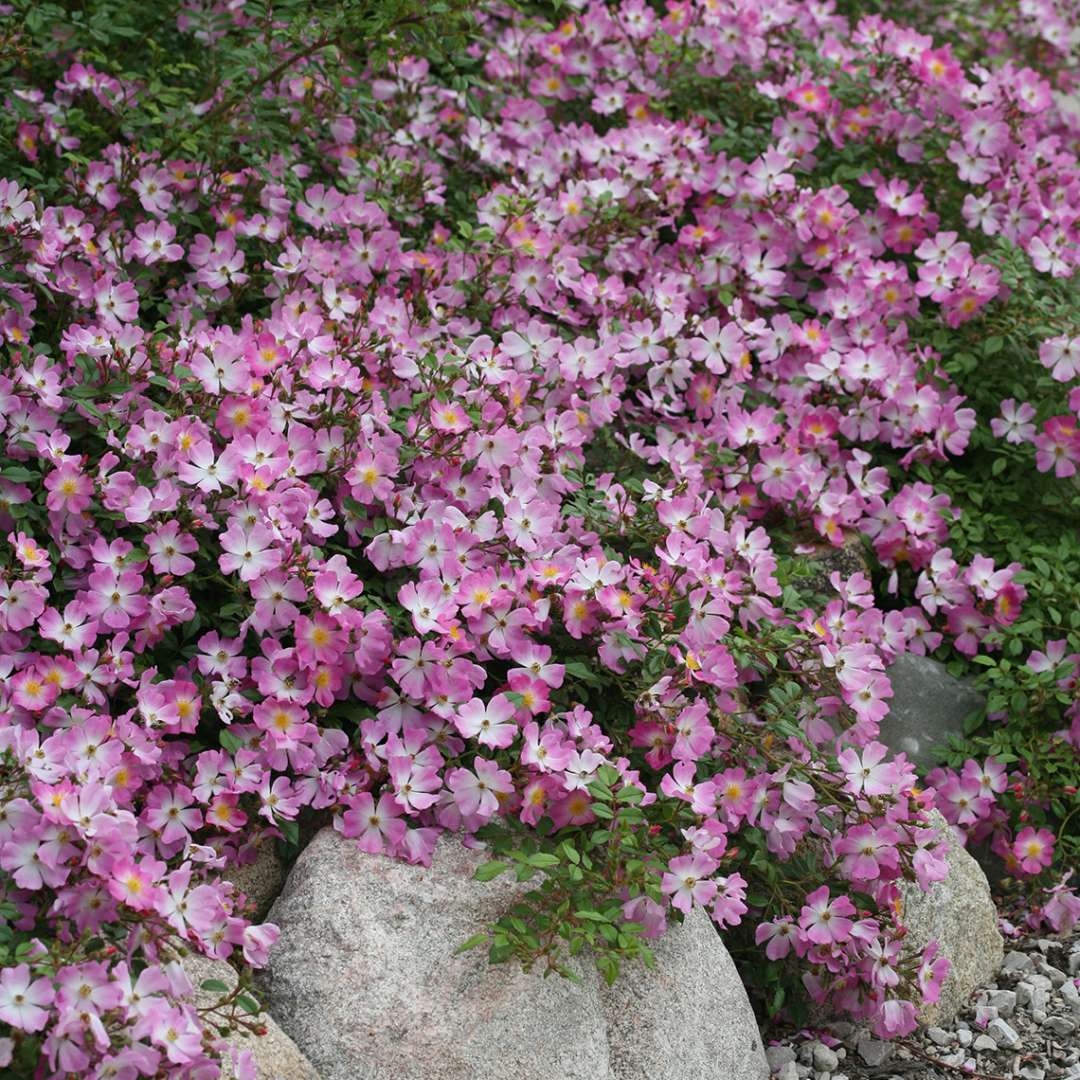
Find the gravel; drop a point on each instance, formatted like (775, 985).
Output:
(1024, 1026)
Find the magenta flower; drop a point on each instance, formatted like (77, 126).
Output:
(826, 921)
(687, 881)
(1034, 849)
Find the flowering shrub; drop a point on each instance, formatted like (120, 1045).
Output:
(453, 460)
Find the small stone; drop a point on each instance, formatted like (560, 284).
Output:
(789, 1072)
(1039, 1016)
(1004, 1001)
(1074, 963)
(984, 1014)
(1024, 990)
(874, 1051)
(1059, 1025)
(778, 1057)
(1016, 962)
(1032, 1072)
(963, 1037)
(939, 1036)
(1072, 995)
(1003, 1034)
(984, 1043)
(1055, 975)
(825, 1060)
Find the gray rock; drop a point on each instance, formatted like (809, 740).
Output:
(1003, 1033)
(874, 1051)
(1055, 975)
(927, 706)
(963, 1037)
(276, 1055)
(260, 880)
(789, 1072)
(959, 913)
(1061, 1025)
(825, 1059)
(1004, 1001)
(778, 1056)
(939, 1036)
(815, 570)
(984, 1044)
(1074, 963)
(1016, 961)
(365, 979)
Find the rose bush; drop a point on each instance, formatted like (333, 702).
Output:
(444, 443)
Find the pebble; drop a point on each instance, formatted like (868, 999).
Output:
(1074, 963)
(1055, 975)
(1004, 1001)
(963, 1037)
(939, 1036)
(874, 1051)
(1059, 1025)
(778, 1057)
(790, 1071)
(825, 1060)
(984, 1043)
(1032, 1072)
(1016, 961)
(1002, 1033)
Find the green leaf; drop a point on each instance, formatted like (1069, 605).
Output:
(580, 671)
(229, 741)
(215, 986)
(489, 871)
(465, 946)
(19, 475)
(590, 916)
(543, 859)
